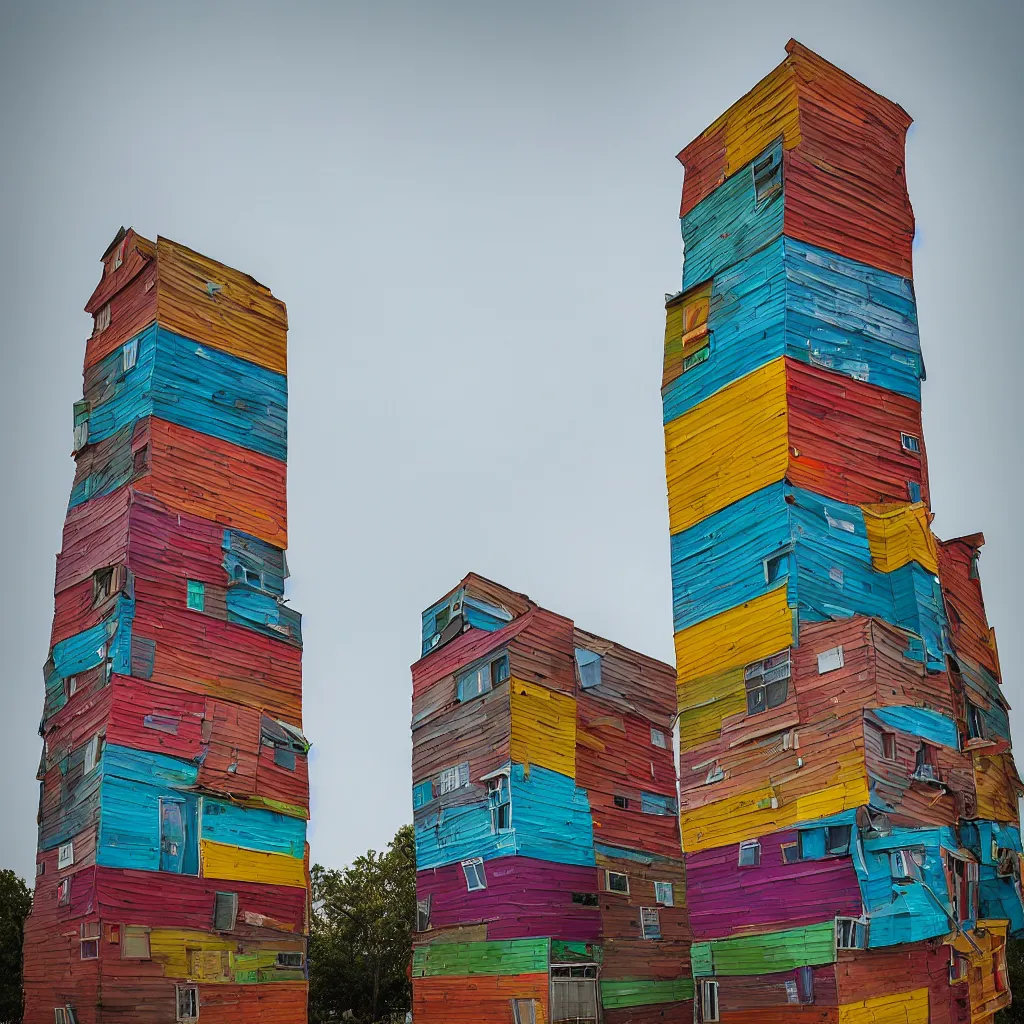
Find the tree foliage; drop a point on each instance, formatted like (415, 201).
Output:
(361, 934)
(1014, 1014)
(15, 903)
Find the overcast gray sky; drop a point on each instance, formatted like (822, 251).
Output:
(470, 209)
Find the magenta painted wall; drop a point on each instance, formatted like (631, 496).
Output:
(523, 898)
(771, 895)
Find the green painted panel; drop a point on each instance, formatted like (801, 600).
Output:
(766, 954)
(514, 956)
(575, 952)
(641, 992)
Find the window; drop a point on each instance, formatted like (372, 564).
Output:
(767, 682)
(975, 722)
(524, 1011)
(70, 686)
(64, 893)
(851, 933)
(585, 899)
(82, 410)
(715, 774)
(910, 443)
(93, 752)
(615, 881)
(59, 1015)
(925, 767)
(135, 943)
(805, 984)
(423, 913)
(119, 256)
(697, 356)
(196, 596)
(776, 567)
(750, 853)
(65, 855)
(889, 746)
(225, 911)
(482, 678)
(914, 490)
(589, 665)
(708, 1001)
(187, 997)
(790, 853)
(962, 877)
(830, 660)
(89, 940)
(767, 178)
(476, 878)
(499, 800)
(101, 319)
(975, 572)
(620, 801)
(422, 794)
(656, 803)
(140, 460)
(291, 960)
(129, 355)
(903, 866)
(837, 840)
(658, 739)
(958, 966)
(650, 922)
(663, 894)
(40, 868)
(102, 585)
(454, 778)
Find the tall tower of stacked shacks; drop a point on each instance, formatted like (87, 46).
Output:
(171, 877)
(848, 795)
(550, 877)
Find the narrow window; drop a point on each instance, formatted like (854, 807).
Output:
(524, 1011)
(925, 765)
(135, 943)
(805, 984)
(750, 853)
(658, 739)
(499, 800)
(187, 997)
(697, 356)
(837, 840)
(830, 660)
(708, 1001)
(914, 490)
(291, 960)
(851, 933)
(790, 853)
(140, 461)
(615, 881)
(102, 585)
(129, 355)
(622, 802)
(975, 722)
(82, 410)
(119, 256)
(89, 940)
(225, 911)
(196, 596)
(999, 964)
(423, 913)
(585, 899)
(476, 878)
(904, 866)
(650, 922)
(589, 665)
(663, 894)
(975, 573)
(64, 893)
(59, 1016)
(767, 682)
(776, 567)
(93, 753)
(40, 868)
(101, 319)
(767, 177)
(65, 855)
(910, 443)
(70, 686)
(889, 746)
(422, 794)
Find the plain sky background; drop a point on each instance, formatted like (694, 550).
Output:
(470, 209)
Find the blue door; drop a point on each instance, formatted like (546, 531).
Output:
(179, 849)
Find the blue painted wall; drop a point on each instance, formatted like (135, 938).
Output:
(550, 821)
(184, 382)
(928, 725)
(253, 828)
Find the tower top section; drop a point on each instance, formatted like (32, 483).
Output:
(835, 146)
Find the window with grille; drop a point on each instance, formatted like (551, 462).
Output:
(453, 778)
(767, 682)
(767, 179)
(910, 443)
(851, 933)
(650, 922)
(187, 997)
(574, 998)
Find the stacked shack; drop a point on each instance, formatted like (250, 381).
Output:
(550, 878)
(171, 877)
(848, 797)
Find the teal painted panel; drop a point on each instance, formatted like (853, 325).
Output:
(929, 725)
(253, 828)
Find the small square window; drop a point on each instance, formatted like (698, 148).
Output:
(140, 460)
(830, 660)
(476, 877)
(65, 855)
(129, 355)
(910, 443)
(135, 943)
(196, 596)
(750, 853)
(658, 739)
(187, 997)
(650, 922)
(851, 933)
(663, 894)
(837, 840)
(790, 853)
(615, 881)
(622, 802)
(715, 774)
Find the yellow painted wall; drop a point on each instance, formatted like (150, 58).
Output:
(731, 445)
(899, 534)
(686, 328)
(732, 638)
(995, 781)
(172, 948)
(905, 1008)
(543, 728)
(222, 860)
(705, 703)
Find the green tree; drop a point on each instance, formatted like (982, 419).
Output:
(15, 903)
(361, 934)
(1015, 968)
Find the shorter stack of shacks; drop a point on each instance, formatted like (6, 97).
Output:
(550, 879)
(848, 793)
(171, 877)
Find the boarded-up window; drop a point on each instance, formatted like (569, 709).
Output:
(143, 655)
(82, 409)
(225, 910)
(768, 176)
(135, 944)
(101, 319)
(195, 597)
(589, 665)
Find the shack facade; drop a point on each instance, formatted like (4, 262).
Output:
(172, 872)
(848, 795)
(550, 880)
